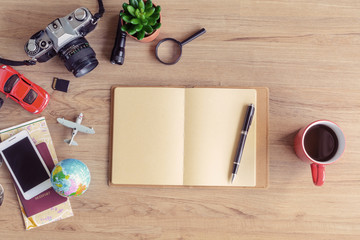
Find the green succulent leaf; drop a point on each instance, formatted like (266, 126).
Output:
(127, 14)
(150, 12)
(157, 9)
(131, 10)
(140, 35)
(148, 5)
(152, 21)
(141, 5)
(144, 22)
(132, 30)
(156, 16)
(157, 26)
(137, 13)
(139, 27)
(142, 17)
(125, 6)
(125, 27)
(134, 3)
(148, 29)
(126, 18)
(135, 21)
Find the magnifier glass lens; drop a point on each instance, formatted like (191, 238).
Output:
(169, 51)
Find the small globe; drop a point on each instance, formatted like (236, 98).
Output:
(70, 177)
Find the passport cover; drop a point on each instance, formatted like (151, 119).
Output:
(46, 199)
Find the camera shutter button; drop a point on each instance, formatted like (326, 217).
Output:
(80, 14)
(43, 44)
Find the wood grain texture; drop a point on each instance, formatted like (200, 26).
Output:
(306, 52)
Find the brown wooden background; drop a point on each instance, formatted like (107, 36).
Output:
(306, 52)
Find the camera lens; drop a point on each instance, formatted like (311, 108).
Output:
(79, 57)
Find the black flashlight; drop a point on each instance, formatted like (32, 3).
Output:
(118, 52)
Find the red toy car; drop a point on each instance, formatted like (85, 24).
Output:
(29, 95)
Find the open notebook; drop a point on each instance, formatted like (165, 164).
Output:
(185, 136)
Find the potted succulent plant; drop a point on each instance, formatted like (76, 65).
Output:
(141, 20)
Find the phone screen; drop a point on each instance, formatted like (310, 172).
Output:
(25, 164)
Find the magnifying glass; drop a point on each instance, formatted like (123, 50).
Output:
(168, 51)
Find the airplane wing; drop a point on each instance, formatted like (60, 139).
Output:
(73, 125)
(84, 129)
(67, 123)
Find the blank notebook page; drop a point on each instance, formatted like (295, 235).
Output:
(213, 122)
(148, 136)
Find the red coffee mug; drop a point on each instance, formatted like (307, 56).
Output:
(320, 143)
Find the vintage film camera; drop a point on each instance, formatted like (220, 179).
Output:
(66, 36)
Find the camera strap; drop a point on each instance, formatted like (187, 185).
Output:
(17, 63)
(97, 16)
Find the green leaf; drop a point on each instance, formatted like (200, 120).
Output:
(122, 13)
(131, 10)
(152, 21)
(135, 21)
(148, 29)
(132, 30)
(137, 13)
(140, 35)
(126, 18)
(125, 27)
(157, 26)
(141, 5)
(156, 16)
(134, 3)
(125, 6)
(157, 9)
(148, 5)
(150, 12)
(127, 14)
(139, 27)
(144, 21)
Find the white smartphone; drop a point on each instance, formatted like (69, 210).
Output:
(25, 164)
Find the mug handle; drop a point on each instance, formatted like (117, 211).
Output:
(318, 173)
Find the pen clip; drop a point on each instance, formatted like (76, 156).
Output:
(251, 118)
(252, 113)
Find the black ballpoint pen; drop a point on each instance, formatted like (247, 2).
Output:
(244, 131)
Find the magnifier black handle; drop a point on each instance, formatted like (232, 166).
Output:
(118, 52)
(192, 37)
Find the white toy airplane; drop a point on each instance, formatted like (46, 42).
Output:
(76, 126)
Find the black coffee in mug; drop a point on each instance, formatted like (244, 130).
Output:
(321, 143)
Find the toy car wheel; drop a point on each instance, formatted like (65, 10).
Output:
(1, 102)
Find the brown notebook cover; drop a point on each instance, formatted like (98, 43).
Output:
(172, 109)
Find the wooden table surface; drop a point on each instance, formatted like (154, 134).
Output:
(306, 52)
